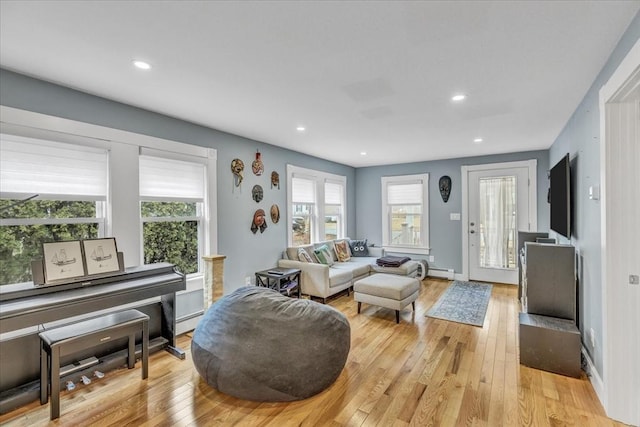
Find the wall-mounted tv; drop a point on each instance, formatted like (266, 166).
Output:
(560, 197)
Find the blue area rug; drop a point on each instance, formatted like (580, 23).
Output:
(463, 302)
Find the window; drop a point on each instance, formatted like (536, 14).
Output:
(317, 205)
(333, 201)
(49, 191)
(405, 219)
(172, 199)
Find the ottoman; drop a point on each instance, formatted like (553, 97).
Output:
(387, 290)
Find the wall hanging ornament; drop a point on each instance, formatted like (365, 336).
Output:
(275, 180)
(237, 166)
(275, 214)
(445, 187)
(257, 193)
(257, 166)
(259, 221)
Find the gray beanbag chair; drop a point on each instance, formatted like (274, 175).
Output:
(256, 344)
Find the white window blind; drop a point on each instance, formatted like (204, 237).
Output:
(402, 194)
(302, 190)
(34, 166)
(332, 193)
(162, 178)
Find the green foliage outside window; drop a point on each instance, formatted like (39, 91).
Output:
(173, 241)
(20, 244)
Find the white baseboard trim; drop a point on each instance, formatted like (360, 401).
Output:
(594, 377)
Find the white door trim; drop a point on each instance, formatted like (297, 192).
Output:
(615, 397)
(533, 206)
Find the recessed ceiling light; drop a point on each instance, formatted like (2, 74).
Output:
(458, 98)
(142, 65)
(363, 153)
(301, 128)
(478, 140)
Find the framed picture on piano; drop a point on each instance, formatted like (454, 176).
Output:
(101, 256)
(62, 260)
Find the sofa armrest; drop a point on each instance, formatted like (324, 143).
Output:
(314, 277)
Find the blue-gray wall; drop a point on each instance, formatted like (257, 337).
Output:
(246, 252)
(445, 235)
(581, 139)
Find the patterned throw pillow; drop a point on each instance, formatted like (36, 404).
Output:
(304, 256)
(359, 248)
(324, 255)
(342, 251)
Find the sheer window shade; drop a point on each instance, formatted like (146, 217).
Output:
(332, 193)
(403, 194)
(302, 190)
(33, 166)
(162, 178)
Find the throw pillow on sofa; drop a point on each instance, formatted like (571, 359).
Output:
(324, 255)
(342, 251)
(359, 248)
(304, 256)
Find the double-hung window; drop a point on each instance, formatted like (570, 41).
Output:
(172, 210)
(317, 205)
(49, 191)
(405, 218)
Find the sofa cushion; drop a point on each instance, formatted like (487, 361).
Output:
(359, 248)
(323, 255)
(342, 250)
(292, 251)
(356, 268)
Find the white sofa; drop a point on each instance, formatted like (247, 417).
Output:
(322, 281)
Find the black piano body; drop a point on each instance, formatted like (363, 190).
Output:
(30, 308)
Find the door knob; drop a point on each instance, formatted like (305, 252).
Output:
(472, 231)
(472, 224)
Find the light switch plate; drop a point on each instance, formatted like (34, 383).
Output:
(454, 216)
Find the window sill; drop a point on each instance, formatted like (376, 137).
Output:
(406, 250)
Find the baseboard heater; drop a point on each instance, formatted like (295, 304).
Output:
(445, 273)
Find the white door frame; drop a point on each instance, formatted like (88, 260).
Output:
(533, 205)
(618, 303)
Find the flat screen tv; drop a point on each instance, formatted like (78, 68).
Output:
(560, 197)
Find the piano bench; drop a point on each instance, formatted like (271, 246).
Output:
(59, 342)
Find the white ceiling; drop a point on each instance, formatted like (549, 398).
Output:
(361, 76)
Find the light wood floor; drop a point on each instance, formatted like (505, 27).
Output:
(422, 372)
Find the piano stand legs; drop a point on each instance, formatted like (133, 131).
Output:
(177, 352)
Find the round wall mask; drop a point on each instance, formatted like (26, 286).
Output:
(275, 214)
(237, 166)
(258, 221)
(257, 193)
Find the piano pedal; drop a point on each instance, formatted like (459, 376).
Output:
(86, 380)
(70, 386)
(98, 374)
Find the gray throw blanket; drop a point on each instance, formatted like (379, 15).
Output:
(391, 261)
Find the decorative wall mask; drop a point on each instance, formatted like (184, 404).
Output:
(237, 166)
(445, 187)
(257, 166)
(257, 193)
(275, 214)
(275, 180)
(259, 221)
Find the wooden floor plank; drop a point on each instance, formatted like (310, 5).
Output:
(420, 372)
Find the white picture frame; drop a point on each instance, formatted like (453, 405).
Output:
(62, 260)
(101, 256)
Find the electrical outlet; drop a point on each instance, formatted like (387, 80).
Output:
(432, 258)
(592, 338)
(247, 280)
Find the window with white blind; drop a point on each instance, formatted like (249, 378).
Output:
(49, 191)
(333, 211)
(317, 205)
(405, 218)
(172, 206)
